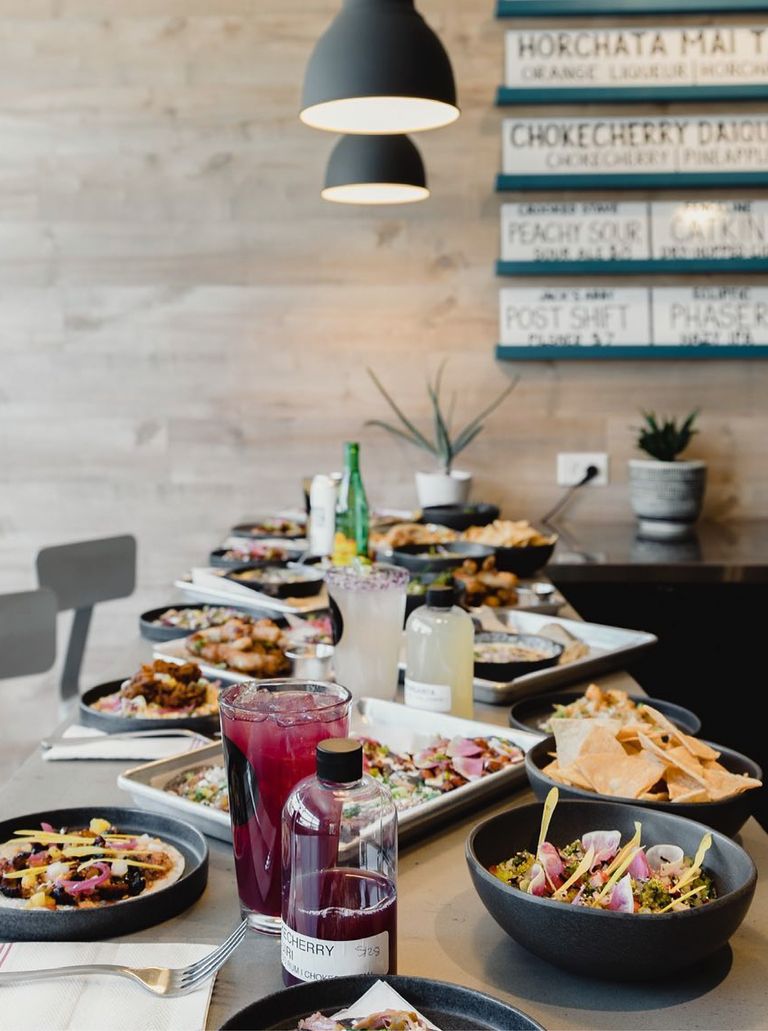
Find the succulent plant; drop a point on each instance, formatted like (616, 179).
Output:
(442, 443)
(665, 438)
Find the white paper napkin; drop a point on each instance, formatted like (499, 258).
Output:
(95, 1003)
(380, 996)
(105, 746)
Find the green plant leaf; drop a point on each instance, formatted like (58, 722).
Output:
(397, 432)
(468, 433)
(466, 439)
(442, 436)
(423, 442)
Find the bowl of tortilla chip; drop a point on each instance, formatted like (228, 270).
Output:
(606, 943)
(657, 766)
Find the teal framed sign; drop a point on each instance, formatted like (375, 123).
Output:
(633, 322)
(639, 64)
(634, 152)
(566, 8)
(633, 237)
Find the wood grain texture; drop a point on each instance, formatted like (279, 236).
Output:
(185, 325)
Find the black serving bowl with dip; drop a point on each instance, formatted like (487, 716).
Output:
(727, 816)
(506, 669)
(602, 943)
(529, 713)
(526, 559)
(460, 517)
(436, 558)
(289, 581)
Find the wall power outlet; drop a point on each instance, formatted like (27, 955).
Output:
(571, 466)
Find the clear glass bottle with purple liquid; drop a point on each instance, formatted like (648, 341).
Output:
(339, 871)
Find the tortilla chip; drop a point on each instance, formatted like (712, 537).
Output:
(721, 783)
(573, 776)
(654, 796)
(680, 784)
(679, 757)
(692, 744)
(570, 735)
(696, 795)
(627, 776)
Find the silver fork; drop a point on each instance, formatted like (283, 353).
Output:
(157, 980)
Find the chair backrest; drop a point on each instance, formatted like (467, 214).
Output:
(81, 575)
(27, 632)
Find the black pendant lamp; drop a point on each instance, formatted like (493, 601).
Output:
(375, 170)
(378, 68)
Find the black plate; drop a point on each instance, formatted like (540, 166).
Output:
(170, 633)
(596, 942)
(247, 530)
(417, 557)
(503, 672)
(218, 561)
(449, 1006)
(460, 517)
(728, 816)
(122, 917)
(302, 589)
(528, 713)
(115, 724)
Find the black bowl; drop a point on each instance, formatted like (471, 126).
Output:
(728, 816)
(89, 717)
(460, 517)
(528, 713)
(436, 558)
(152, 632)
(599, 943)
(311, 584)
(449, 1006)
(526, 559)
(125, 917)
(506, 671)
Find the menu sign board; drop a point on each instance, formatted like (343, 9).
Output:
(633, 321)
(636, 63)
(636, 236)
(587, 153)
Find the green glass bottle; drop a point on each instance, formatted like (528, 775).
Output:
(351, 538)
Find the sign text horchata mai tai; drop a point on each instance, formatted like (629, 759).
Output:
(616, 60)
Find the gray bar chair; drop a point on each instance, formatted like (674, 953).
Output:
(27, 632)
(81, 575)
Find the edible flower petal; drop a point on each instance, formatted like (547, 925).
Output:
(425, 759)
(639, 868)
(538, 884)
(472, 769)
(621, 897)
(605, 843)
(550, 860)
(462, 746)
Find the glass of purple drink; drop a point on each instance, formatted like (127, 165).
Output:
(270, 729)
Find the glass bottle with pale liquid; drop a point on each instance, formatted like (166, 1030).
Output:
(439, 655)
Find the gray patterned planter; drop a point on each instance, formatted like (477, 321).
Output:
(666, 496)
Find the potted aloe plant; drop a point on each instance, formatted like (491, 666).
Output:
(666, 493)
(445, 485)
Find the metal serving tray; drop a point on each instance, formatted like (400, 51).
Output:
(393, 724)
(610, 648)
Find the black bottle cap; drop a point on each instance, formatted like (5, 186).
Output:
(340, 759)
(441, 596)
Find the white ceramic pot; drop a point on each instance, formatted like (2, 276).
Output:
(666, 496)
(443, 488)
